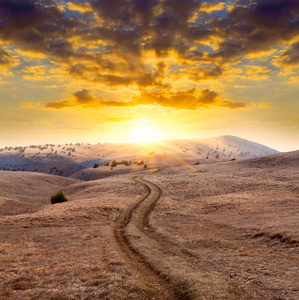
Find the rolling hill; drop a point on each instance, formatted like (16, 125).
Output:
(66, 160)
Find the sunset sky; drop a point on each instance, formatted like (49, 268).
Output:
(104, 70)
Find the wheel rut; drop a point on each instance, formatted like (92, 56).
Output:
(136, 216)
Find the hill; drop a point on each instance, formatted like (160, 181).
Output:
(225, 146)
(33, 191)
(66, 160)
(280, 160)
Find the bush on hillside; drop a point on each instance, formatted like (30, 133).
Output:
(114, 164)
(58, 198)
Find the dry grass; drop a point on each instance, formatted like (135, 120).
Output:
(67, 250)
(238, 222)
(222, 231)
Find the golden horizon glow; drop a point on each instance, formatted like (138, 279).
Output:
(145, 131)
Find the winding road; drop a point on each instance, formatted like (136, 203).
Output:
(136, 215)
(148, 252)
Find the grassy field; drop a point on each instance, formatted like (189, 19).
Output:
(218, 230)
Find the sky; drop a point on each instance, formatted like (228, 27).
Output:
(118, 70)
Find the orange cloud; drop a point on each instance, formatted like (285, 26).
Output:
(30, 105)
(189, 100)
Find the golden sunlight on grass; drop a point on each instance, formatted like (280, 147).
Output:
(145, 131)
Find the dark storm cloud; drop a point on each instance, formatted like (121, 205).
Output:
(38, 28)
(256, 26)
(106, 41)
(150, 24)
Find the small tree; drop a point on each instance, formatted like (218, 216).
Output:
(58, 198)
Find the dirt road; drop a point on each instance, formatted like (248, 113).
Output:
(136, 216)
(166, 269)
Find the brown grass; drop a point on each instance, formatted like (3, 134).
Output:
(67, 251)
(240, 225)
(220, 231)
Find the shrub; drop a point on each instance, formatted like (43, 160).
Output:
(145, 166)
(58, 198)
(96, 166)
(113, 164)
(197, 163)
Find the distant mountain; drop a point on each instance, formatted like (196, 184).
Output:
(66, 160)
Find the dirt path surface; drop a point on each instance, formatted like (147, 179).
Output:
(159, 287)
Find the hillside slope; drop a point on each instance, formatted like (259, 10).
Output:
(280, 160)
(66, 160)
(24, 192)
(225, 146)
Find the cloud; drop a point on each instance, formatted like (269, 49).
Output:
(84, 99)
(34, 72)
(7, 60)
(255, 26)
(261, 105)
(81, 98)
(204, 73)
(209, 7)
(84, 7)
(189, 99)
(258, 72)
(30, 105)
(143, 43)
(60, 104)
(290, 58)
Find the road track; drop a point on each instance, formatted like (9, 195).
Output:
(150, 253)
(158, 285)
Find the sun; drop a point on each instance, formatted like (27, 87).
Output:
(145, 131)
